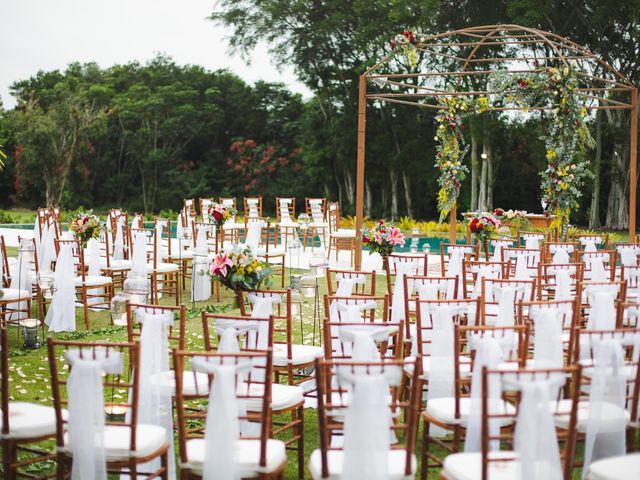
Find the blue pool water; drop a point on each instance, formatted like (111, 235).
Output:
(433, 241)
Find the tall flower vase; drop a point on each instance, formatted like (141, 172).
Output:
(385, 262)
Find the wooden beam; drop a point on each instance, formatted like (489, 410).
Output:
(452, 224)
(633, 160)
(362, 119)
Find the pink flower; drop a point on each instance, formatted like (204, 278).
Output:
(378, 237)
(220, 264)
(395, 236)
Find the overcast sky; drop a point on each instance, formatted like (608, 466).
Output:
(50, 34)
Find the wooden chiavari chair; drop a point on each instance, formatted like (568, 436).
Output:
(286, 400)
(252, 208)
(628, 314)
(568, 315)
(532, 259)
(600, 240)
(164, 277)
(608, 258)
(15, 303)
(582, 294)
(585, 354)
(316, 208)
(257, 454)
(417, 287)
(87, 284)
(288, 357)
(468, 252)
(474, 271)
(549, 248)
(326, 462)
(127, 443)
(525, 290)
(340, 238)
(204, 204)
(502, 461)
(286, 226)
(23, 424)
(418, 261)
(453, 413)
(547, 281)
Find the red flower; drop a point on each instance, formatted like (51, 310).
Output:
(365, 239)
(218, 215)
(475, 225)
(522, 83)
(498, 212)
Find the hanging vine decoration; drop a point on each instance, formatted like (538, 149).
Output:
(567, 138)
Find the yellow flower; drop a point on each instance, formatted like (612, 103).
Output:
(583, 112)
(551, 154)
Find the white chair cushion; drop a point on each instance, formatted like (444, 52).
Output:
(301, 354)
(12, 294)
(184, 255)
(444, 410)
(282, 397)
(396, 464)
(29, 420)
(610, 412)
(93, 280)
(191, 384)
(468, 466)
(344, 233)
(247, 456)
(117, 438)
(465, 366)
(163, 267)
(616, 468)
(116, 264)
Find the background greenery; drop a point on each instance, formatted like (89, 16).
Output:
(144, 136)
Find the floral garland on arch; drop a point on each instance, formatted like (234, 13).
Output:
(568, 137)
(451, 147)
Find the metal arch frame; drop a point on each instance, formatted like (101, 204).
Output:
(599, 86)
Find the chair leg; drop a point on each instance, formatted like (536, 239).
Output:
(301, 443)
(8, 459)
(61, 462)
(164, 462)
(85, 307)
(425, 450)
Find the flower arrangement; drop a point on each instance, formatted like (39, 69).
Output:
(407, 41)
(567, 139)
(239, 269)
(483, 225)
(86, 226)
(515, 219)
(219, 213)
(383, 238)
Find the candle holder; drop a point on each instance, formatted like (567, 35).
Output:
(29, 327)
(115, 413)
(46, 282)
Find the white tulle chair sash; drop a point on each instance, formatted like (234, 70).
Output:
(606, 432)
(86, 410)
(61, 316)
(367, 422)
(222, 429)
(536, 442)
(489, 353)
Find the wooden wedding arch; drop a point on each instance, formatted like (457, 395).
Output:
(464, 59)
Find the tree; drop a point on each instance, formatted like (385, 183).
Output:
(52, 134)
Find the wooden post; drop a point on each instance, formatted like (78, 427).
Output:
(633, 160)
(452, 224)
(362, 117)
